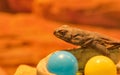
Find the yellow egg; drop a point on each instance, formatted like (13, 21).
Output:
(100, 65)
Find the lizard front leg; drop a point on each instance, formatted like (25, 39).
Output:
(96, 45)
(115, 45)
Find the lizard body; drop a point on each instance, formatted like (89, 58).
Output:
(85, 38)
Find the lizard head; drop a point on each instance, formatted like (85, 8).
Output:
(69, 34)
(63, 33)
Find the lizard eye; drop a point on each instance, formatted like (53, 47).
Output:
(62, 32)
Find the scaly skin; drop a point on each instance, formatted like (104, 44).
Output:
(84, 39)
(91, 44)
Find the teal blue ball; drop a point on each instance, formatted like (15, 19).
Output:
(62, 63)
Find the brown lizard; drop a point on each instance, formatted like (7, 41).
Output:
(85, 39)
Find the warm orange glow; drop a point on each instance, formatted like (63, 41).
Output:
(26, 38)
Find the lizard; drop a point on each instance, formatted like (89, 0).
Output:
(84, 38)
(89, 40)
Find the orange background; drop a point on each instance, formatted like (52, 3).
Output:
(36, 31)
